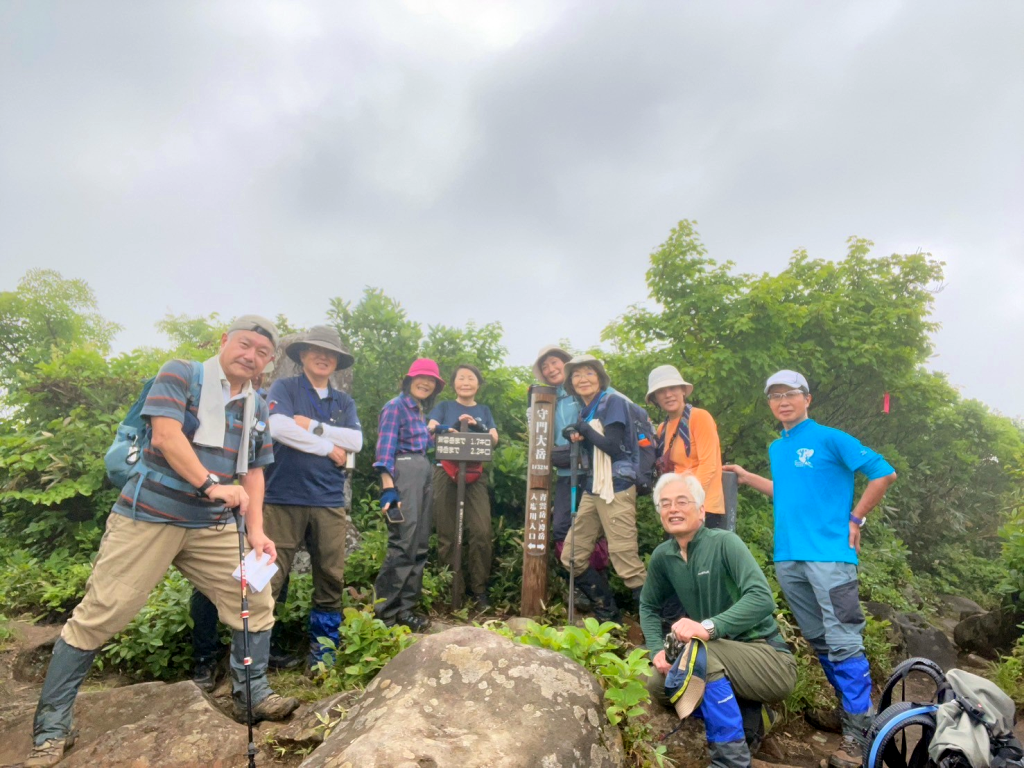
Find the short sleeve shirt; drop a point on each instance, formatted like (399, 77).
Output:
(299, 478)
(813, 470)
(176, 502)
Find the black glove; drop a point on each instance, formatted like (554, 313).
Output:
(479, 427)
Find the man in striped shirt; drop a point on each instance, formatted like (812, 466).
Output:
(177, 510)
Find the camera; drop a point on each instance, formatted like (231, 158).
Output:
(673, 647)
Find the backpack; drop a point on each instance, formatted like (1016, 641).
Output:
(899, 725)
(123, 457)
(646, 447)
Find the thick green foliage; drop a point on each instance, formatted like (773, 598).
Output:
(366, 644)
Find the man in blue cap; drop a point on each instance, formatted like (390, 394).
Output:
(729, 607)
(817, 539)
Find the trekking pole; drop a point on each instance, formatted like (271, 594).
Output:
(458, 582)
(246, 661)
(574, 460)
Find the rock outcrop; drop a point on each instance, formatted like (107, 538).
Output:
(471, 698)
(157, 725)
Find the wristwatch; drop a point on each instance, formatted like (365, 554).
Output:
(709, 625)
(211, 480)
(858, 520)
(319, 428)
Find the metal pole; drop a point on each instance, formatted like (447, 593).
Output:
(730, 490)
(574, 460)
(246, 660)
(458, 582)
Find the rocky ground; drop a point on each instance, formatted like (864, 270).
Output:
(160, 724)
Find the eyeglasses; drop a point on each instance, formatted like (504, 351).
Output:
(793, 394)
(667, 504)
(584, 373)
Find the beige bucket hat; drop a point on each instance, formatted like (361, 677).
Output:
(547, 351)
(586, 360)
(666, 376)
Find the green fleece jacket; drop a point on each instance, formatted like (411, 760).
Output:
(719, 580)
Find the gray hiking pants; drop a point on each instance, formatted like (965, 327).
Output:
(400, 580)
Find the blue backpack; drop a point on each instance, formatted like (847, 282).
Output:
(123, 458)
(646, 447)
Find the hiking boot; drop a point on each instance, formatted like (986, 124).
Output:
(849, 754)
(767, 717)
(204, 674)
(51, 751)
(273, 707)
(413, 621)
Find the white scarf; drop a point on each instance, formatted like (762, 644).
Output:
(602, 464)
(211, 413)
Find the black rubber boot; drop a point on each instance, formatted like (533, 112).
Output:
(600, 595)
(68, 668)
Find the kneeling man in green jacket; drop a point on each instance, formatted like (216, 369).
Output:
(729, 606)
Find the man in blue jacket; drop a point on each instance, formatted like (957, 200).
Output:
(315, 427)
(817, 539)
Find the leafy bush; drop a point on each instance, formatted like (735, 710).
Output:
(366, 645)
(157, 645)
(1008, 674)
(48, 589)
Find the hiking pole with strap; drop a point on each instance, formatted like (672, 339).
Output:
(246, 660)
(574, 460)
(458, 582)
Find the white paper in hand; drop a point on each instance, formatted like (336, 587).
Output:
(257, 572)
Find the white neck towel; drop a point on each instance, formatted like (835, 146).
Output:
(211, 413)
(602, 464)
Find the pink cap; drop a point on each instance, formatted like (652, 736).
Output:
(424, 366)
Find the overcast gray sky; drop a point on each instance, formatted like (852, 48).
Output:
(521, 157)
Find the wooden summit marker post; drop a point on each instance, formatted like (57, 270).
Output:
(538, 500)
(462, 448)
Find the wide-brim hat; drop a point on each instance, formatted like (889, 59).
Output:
(685, 682)
(590, 361)
(323, 337)
(545, 352)
(424, 366)
(666, 376)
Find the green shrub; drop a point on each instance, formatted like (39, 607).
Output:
(46, 588)
(157, 644)
(1008, 674)
(366, 644)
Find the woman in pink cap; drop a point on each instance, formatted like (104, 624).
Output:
(405, 499)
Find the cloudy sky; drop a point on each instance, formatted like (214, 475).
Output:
(511, 161)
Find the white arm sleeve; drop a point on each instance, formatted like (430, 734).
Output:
(285, 431)
(344, 437)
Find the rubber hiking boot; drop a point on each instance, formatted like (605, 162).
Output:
(413, 621)
(204, 674)
(51, 751)
(273, 707)
(849, 754)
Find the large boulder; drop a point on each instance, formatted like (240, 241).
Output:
(469, 698)
(959, 607)
(922, 639)
(150, 724)
(989, 634)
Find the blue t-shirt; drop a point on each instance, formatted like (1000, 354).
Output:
(447, 412)
(812, 470)
(305, 479)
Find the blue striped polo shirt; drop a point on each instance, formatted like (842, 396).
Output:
(160, 503)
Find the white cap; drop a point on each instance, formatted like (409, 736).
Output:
(789, 378)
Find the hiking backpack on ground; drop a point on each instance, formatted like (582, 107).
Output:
(903, 732)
